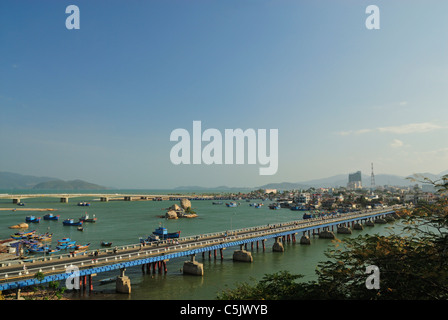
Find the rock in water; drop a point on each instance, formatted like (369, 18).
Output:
(185, 203)
(171, 214)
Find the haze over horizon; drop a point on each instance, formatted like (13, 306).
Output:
(99, 103)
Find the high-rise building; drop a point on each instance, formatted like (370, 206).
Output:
(354, 180)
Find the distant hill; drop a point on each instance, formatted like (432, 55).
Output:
(10, 180)
(68, 185)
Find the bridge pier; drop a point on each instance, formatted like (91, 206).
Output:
(193, 267)
(123, 283)
(358, 226)
(64, 199)
(104, 199)
(242, 255)
(278, 246)
(16, 200)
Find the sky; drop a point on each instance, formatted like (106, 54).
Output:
(99, 103)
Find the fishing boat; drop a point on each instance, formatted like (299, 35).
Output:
(106, 244)
(160, 233)
(64, 240)
(80, 248)
(231, 204)
(32, 219)
(38, 249)
(66, 245)
(83, 204)
(307, 216)
(274, 206)
(71, 222)
(23, 235)
(51, 216)
(44, 237)
(258, 205)
(217, 202)
(80, 228)
(52, 251)
(164, 234)
(86, 218)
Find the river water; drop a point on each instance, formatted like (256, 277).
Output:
(123, 222)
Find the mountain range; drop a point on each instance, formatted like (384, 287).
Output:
(9, 180)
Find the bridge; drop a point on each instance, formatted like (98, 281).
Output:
(64, 197)
(17, 274)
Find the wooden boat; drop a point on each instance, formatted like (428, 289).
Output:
(32, 219)
(231, 204)
(52, 251)
(51, 216)
(66, 245)
(86, 218)
(80, 248)
(44, 237)
(80, 228)
(64, 240)
(23, 235)
(71, 222)
(106, 244)
(274, 206)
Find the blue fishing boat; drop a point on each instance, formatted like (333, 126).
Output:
(307, 216)
(51, 216)
(231, 204)
(66, 245)
(23, 235)
(164, 234)
(83, 204)
(160, 234)
(71, 222)
(32, 219)
(274, 206)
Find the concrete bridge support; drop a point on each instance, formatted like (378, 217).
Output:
(104, 199)
(16, 200)
(64, 199)
(305, 239)
(342, 229)
(326, 234)
(358, 226)
(242, 255)
(193, 267)
(123, 283)
(278, 245)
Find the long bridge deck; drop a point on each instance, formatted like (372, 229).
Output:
(16, 274)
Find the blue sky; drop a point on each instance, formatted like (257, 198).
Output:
(99, 103)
